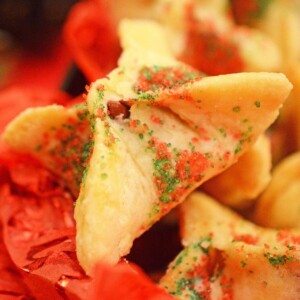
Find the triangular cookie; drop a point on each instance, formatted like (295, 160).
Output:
(58, 137)
(175, 129)
(227, 257)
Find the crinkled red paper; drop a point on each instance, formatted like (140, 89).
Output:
(90, 33)
(11, 283)
(124, 281)
(39, 230)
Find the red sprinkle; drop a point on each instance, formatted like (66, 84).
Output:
(246, 238)
(209, 51)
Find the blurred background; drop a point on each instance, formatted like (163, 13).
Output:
(32, 51)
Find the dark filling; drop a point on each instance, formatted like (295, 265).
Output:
(118, 109)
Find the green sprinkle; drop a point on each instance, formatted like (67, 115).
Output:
(38, 148)
(150, 132)
(84, 175)
(100, 92)
(204, 244)
(223, 132)
(236, 109)
(276, 260)
(257, 104)
(179, 258)
(237, 149)
(103, 176)
(265, 283)
(155, 210)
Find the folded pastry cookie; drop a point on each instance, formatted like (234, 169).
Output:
(205, 36)
(173, 129)
(279, 206)
(227, 257)
(158, 130)
(57, 136)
